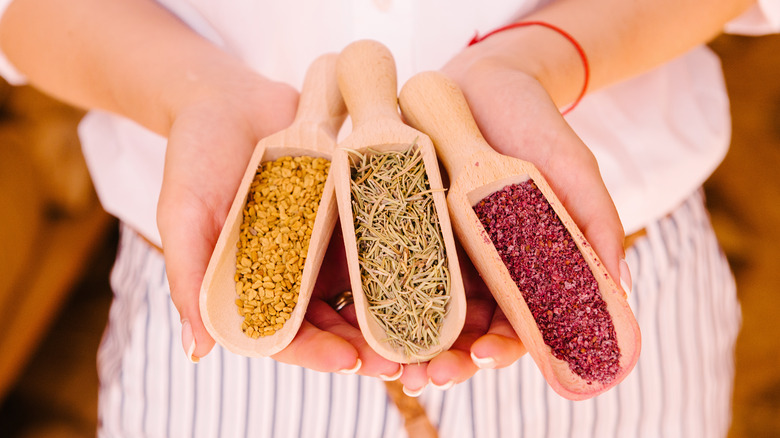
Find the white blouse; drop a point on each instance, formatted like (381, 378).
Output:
(657, 136)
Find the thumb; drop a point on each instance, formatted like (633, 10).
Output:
(187, 247)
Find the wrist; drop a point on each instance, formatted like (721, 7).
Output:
(228, 88)
(541, 50)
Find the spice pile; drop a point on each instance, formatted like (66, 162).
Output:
(403, 264)
(554, 278)
(274, 240)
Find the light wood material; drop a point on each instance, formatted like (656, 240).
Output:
(321, 112)
(367, 79)
(433, 103)
(416, 421)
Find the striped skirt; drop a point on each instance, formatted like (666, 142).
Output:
(683, 297)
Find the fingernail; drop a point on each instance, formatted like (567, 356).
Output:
(352, 370)
(188, 341)
(393, 377)
(483, 362)
(625, 277)
(444, 387)
(413, 393)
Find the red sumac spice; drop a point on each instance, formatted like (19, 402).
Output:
(554, 278)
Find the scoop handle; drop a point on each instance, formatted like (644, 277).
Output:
(433, 104)
(320, 100)
(368, 83)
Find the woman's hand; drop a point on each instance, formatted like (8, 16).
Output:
(211, 139)
(209, 146)
(518, 118)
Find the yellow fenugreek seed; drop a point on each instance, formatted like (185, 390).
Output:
(278, 219)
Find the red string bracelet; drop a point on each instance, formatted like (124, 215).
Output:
(563, 33)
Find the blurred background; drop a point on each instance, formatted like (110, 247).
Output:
(57, 248)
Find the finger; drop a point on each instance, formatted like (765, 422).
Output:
(414, 378)
(194, 200)
(186, 259)
(333, 280)
(596, 217)
(320, 350)
(499, 347)
(571, 170)
(455, 365)
(344, 325)
(451, 367)
(196, 340)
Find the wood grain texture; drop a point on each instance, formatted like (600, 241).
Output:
(367, 80)
(433, 104)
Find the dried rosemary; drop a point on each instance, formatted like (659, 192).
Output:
(403, 264)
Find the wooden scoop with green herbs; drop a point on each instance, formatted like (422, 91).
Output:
(403, 266)
(265, 263)
(547, 279)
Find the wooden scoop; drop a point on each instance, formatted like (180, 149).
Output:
(434, 104)
(321, 112)
(367, 79)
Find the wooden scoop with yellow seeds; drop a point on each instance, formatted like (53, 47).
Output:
(248, 302)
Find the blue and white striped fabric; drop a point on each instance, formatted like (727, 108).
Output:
(684, 298)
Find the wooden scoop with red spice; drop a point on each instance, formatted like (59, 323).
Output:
(565, 307)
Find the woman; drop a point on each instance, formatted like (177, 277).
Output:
(180, 91)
